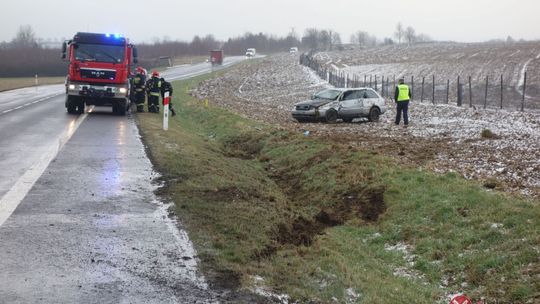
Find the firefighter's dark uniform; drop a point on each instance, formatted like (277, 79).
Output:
(153, 87)
(139, 87)
(167, 87)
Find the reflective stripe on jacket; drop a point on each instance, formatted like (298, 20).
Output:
(155, 87)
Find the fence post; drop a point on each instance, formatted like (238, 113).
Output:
(470, 93)
(485, 96)
(433, 100)
(422, 94)
(412, 87)
(370, 78)
(375, 83)
(447, 89)
(382, 86)
(501, 90)
(387, 86)
(523, 97)
(459, 93)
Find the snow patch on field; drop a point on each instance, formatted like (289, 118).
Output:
(443, 138)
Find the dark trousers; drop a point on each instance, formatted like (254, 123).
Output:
(153, 103)
(402, 106)
(139, 101)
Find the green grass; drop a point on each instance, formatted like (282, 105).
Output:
(292, 209)
(22, 82)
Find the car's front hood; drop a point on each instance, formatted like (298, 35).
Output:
(314, 103)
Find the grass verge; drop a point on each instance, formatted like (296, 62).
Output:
(324, 222)
(22, 82)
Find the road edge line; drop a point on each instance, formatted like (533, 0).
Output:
(12, 199)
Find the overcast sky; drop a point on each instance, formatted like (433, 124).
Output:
(457, 20)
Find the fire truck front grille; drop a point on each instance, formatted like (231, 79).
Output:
(98, 74)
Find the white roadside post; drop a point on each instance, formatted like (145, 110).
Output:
(166, 111)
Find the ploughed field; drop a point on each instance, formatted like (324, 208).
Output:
(499, 148)
(447, 61)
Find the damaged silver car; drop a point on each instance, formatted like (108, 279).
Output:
(346, 104)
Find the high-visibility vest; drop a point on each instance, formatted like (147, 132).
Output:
(403, 94)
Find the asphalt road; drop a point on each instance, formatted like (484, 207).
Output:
(79, 222)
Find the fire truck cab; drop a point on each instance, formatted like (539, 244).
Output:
(98, 73)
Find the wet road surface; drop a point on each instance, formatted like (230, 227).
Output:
(89, 228)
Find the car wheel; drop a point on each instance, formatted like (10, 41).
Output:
(331, 116)
(374, 114)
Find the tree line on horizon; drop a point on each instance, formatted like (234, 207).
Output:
(24, 56)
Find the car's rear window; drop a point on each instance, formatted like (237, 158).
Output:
(371, 94)
(327, 94)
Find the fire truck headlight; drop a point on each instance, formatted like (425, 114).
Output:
(123, 90)
(72, 87)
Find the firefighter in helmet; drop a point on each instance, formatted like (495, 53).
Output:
(138, 83)
(153, 88)
(167, 87)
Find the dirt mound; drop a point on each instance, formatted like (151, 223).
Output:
(244, 146)
(367, 204)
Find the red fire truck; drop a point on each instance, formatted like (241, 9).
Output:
(99, 70)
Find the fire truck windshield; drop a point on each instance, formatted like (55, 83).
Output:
(99, 52)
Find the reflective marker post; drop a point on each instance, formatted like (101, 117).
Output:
(166, 111)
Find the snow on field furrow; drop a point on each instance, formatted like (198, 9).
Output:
(451, 135)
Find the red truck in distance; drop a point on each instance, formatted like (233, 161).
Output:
(99, 71)
(216, 57)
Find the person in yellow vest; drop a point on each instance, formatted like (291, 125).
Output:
(402, 98)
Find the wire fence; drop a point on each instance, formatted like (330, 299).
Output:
(493, 92)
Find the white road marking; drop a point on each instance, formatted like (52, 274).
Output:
(30, 103)
(16, 194)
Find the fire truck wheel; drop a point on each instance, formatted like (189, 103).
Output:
(71, 105)
(80, 107)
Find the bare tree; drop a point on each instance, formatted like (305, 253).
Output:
(325, 39)
(311, 38)
(25, 37)
(423, 38)
(364, 39)
(388, 41)
(399, 32)
(410, 35)
(336, 38)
